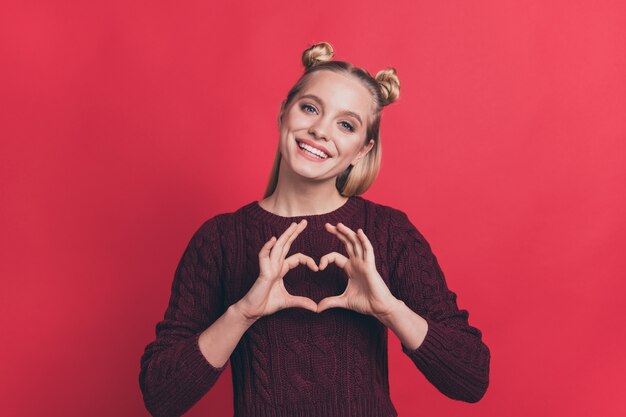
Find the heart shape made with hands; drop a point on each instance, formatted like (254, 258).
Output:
(366, 291)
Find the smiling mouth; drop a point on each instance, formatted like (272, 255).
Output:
(311, 151)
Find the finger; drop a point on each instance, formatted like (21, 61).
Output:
(264, 254)
(303, 302)
(265, 250)
(300, 227)
(335, 257)
(264, 257)
(286, 242)
(341, 236)
(301, 259)
(278, 247)
(369, 249)
(286, 234)
(352, 237)
(331, 302)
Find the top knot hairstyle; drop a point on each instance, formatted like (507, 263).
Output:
(384, 88)
(387, 79)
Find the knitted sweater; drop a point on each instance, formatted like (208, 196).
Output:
(296, 362)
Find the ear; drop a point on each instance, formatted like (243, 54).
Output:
(363, 152)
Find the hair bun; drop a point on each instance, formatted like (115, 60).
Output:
(320, 52)
(389, 85)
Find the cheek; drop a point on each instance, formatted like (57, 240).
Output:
(349, 147)
(297, 120)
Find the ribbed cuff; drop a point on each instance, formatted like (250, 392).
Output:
(432, 344)
(198, 363)
(193, 378)
(444, 369)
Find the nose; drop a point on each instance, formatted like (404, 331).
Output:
(320, 129)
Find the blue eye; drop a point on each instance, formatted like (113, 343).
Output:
(348, 126)
(306, 106)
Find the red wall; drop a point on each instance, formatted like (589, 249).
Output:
(118, 121)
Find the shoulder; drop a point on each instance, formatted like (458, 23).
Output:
(213, 227)
(220, 222)
(395, 217)
(397, 224)
(210, 226)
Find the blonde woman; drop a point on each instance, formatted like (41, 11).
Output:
(298, 290)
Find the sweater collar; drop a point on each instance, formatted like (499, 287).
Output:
(340, 214)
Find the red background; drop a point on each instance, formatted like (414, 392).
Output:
(125, 125)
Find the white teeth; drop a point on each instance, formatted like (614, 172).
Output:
(312, 150)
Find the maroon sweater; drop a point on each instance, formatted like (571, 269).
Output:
(296, 362)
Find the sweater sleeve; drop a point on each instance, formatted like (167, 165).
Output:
(174, 373)
(452, 356)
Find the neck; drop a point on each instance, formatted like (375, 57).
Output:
(297, 196)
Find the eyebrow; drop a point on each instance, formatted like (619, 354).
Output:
(348, 112)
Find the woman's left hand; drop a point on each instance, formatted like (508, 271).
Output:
(366, 292)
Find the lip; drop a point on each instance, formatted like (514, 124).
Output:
(310, 143)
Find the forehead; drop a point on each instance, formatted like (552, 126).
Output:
(339, 92)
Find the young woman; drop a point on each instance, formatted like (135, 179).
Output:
(298, 290)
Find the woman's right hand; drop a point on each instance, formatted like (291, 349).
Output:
(268, 293)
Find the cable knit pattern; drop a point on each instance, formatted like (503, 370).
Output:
(296, 363)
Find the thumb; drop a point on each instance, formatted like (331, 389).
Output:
(330, 302)
(303, 302)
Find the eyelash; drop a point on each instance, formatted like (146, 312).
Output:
(349, 126)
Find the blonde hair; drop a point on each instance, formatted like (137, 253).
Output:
(384, 88)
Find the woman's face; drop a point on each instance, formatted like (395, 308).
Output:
(329, 114)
